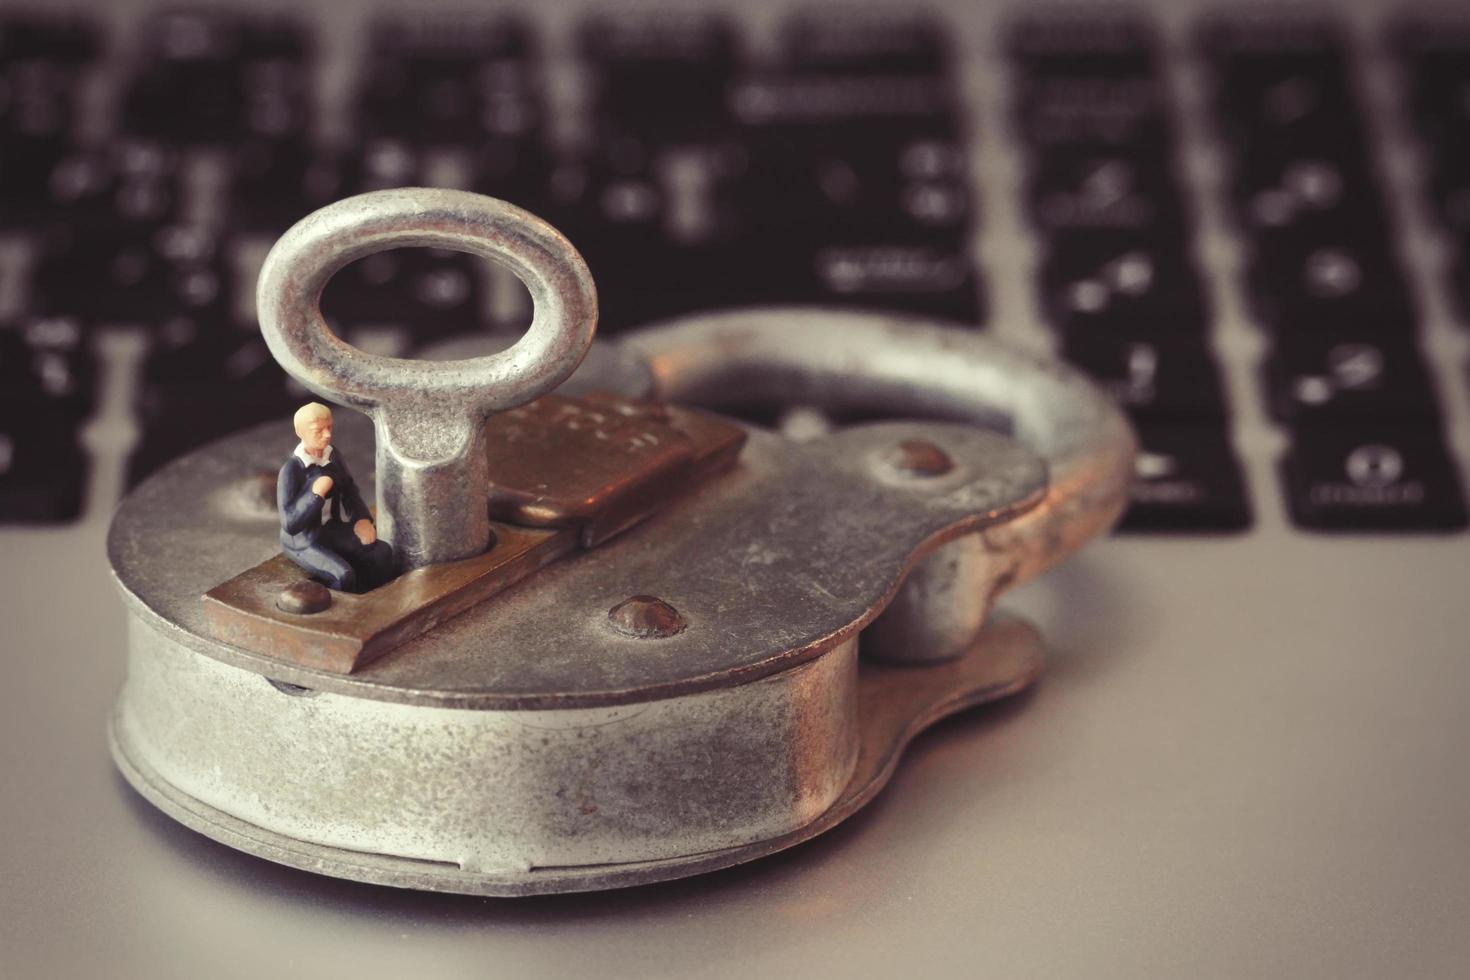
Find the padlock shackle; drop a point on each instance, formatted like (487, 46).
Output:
(846, 360)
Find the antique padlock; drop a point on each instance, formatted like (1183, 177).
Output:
(629, 640)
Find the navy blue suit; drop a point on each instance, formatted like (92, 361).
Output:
(329, 549)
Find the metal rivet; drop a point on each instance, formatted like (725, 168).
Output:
(646, 617)
(304, 598)
(919, 458)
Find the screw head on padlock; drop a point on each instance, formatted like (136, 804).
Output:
(691, 643)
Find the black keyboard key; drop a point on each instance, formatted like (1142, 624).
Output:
(1330, 288)
(212, 354)
(1350, 380)
(903, 278)
(441, 37)
(1117, 44)
(37, 108)
(808, 108)
(448, 107)
(210, 75)
(1262, 45)
(886, 42)
(622, 217)
(43, 469)
(37, 101)
(1122, 285)
(1186, 478)
(59, 38)
(616, 214)
(898, 278)
(1372, 480)
(26, 167)
(1298, 110)
(278, 101)
(1155, 380)
(1105, 192)
(426, 293)
(849, 192)
(1303, 199)
(275, 183)
(1078, 114)
(518, 171)
(48, 362)
(450, 80)
(379, 165)
(148, 279)
(203, 380)
(660, 76)
(130, 182)
(1283, 80)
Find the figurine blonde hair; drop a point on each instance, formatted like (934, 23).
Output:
(308, 413)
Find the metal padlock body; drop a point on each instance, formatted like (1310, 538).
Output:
(527, 746)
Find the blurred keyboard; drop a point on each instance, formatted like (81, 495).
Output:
(145, 170)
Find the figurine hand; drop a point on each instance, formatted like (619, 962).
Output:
(364, 530)
(322, 486)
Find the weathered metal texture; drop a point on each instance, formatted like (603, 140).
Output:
(430, 415)
(780, 559)
(526, 789)
(906, 366)
(521, 803)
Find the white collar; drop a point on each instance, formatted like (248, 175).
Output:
(309, 460)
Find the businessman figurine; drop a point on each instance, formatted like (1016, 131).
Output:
(325, 526)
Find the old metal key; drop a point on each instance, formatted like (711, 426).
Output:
(433, 474)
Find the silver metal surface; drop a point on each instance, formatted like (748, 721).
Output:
(821, 720)
(433, 475)
(840, 360)
(491, 795)
(940, 608)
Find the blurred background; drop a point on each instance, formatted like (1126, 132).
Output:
(789, 155)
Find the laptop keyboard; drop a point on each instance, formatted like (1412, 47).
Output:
(834, 169)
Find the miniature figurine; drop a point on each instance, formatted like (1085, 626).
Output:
(325, 526)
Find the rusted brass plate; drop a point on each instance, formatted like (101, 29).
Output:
(356, 629)
(601, 463)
